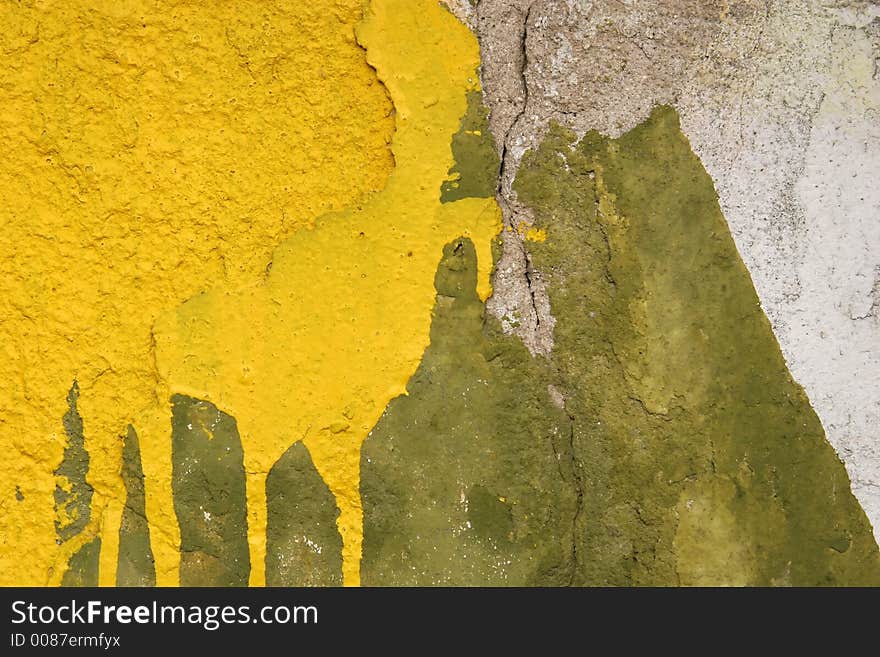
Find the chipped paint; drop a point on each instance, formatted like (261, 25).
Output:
(477, 425)
(700, 460)
(533, 234)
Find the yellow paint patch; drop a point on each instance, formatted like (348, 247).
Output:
(151, 150)
(536, 234)
(317, 349)
(712, 549)
(530, 233)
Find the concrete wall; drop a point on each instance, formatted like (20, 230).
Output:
(499, 292)
(780, 102)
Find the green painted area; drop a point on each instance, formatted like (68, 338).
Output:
(676, 448)
(73, 498)
(467, 480)
(73, 494)
(489, 515)
(82, 567)
(475, 172)
(699, 458)
(303, 546)
(208, 482)
(135, 565)
(664, 441)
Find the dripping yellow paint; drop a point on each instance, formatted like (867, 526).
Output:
(317, 350)
(159, 153)
(151, 150)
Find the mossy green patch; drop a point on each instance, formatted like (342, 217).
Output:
(135, 564)
(208, 482)
(82, 567)
(303, 546)
(489, 515)
(467, 480)
(475, 173)
(73, 494)
(700, 458)
(664, 441)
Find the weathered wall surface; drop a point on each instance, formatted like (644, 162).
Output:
(780, 100)
(362, 291)
(148, 157)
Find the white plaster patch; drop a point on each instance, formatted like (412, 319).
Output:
(796, 160)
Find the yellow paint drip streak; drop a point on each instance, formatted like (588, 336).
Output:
(152, 149)
(317, 349)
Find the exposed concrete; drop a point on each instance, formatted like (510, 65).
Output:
(780, 100)
(520, 299)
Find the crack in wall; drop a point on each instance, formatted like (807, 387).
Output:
(519, 297)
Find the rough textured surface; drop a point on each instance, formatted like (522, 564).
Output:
(158, 173)
(694, 441)
(152, 149)
(224, 226)
(208, 483)
(83, 567)
(343, 315)
(136, 566)
(781, 102)
(303, 546)
(73, 494)
(462, 482)
(664, 442)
